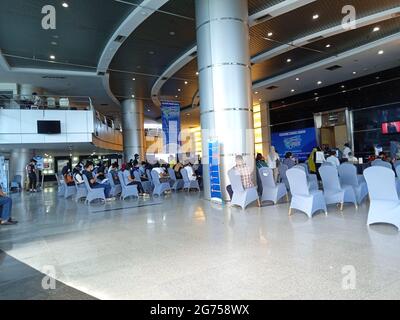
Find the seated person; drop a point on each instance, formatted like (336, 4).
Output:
(130, 180)
(76, 173)
(177, 168)
(351, 158)
(101, 172)
(260, 161)
(92, 179)
(245, 175)
(5, 209)
(289, 160)
(333, 159)
(69, 180)
(114, 172)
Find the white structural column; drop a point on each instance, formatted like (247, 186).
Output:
(19, 159)
(225, 83)
(133, 128)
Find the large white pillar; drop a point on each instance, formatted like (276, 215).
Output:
(19, 158)
(225, 83)
(133, 128)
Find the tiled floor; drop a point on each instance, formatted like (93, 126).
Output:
(182, 247)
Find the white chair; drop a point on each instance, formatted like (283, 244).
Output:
(148, 174)
(334, 192)
(282, 173)
(145, 184)
(312, 179)
(381, 163)
(116, 189)
(176, 184)
(304, 199)
(61, 185)
(271, 191)
(397, 169)
(327, 163)
(348, 177)
(93, 193)
(127, 190)
(189, 183)
(51, 102)
(81, 190)
(69, 191)
(159, 187)
(385, 203)
(241, 197)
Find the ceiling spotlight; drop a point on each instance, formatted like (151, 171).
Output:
(259, 99)
(380, 52)
(376, 29)
(270, 34)
(179, 90)
(289, 60)
(319, 82)
(297, 79)
(151, 52)
(133, 96)
(256, 92)
(176, 96)
(328, 45)
(172, 33)
(54, 43)
(315, 93)
(292, 90)
(65, 5)
(343, 86)
(186, 82)
(197, 73)
(134, 79)
(52, 57)
(188, 114)
(148, 110)
(315, 16)
(354, 72)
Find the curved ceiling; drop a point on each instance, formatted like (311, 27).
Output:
(157, 55)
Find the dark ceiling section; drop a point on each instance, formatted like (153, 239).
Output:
(339, 43)
(299, 23)
(145, 55)
(82, 31)
(259, 5)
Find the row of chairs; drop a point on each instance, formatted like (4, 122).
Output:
(123, 190)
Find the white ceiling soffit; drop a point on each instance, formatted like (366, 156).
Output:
(364, 59)
(271, 12)
(365, 21)
(129, 25)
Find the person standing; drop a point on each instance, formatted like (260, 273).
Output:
(260, 161)
(31, 170)
(273, 162)
(333, 159)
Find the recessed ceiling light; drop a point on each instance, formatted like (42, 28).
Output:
(289, 60)
(292, 90)
(297, 79)
(354, 72)
(151, 52)
(172, 33)
(188, 114)
(179, 90)
(134, 79)
(315, 93)
(52, 57)
(343, 86)
(319, 82)
(376, 29)
(270, 34)
(256, 92)
(176, 96)
(65, 5)
(381, 52)
(138, 67)
(259, 99)
(315, 16)
(133, 96)
(148, 110)
(54, 43)
(197, 73)
(328, 45)
(186, 82)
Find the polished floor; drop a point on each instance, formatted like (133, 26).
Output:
(182, 247)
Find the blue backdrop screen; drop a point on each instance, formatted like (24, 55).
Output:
(299, 142)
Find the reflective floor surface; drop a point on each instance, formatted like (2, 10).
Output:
(183, 247)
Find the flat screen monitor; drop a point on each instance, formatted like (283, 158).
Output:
(48, 127)
(391, 127)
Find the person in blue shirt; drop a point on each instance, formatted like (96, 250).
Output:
(5, 212)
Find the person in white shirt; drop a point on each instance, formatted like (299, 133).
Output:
(333, 159)
(273, 162)
(351, 158)
(346, 151)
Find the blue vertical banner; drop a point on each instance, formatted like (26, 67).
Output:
(213, 163)
(171, 125)
(4, 174)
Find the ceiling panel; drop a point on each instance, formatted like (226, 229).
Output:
(258, 5)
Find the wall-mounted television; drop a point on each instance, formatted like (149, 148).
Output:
(391, 127)
(48, 127)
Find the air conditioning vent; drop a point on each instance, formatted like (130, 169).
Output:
(272, 88)
(264, 18)
(333, 68)
(120, 38)
(54, 77)
(315, 39)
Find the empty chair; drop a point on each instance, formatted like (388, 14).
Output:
(385, 203)
(51, 102)
(188, 181)
(348, 177)
(159, 187)
(304, 199)
(127, 190)
(81, 190)
(145, 184)
(381, 163)
(334, 192)
(282, 173)
(93, 194)
(271, 191)
(69, 191)
(176, 184)
(241, 197)
(327, 163)
(16, 183)
(116, 189)
(61, 185)
(312, 179)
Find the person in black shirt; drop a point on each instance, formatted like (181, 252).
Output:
(93, 180)
(31, 169)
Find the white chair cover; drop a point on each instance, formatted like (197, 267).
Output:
(127, 190)
(93, 194)
(271, 191)
(241, 197)
(303, 198)
(311, 178)
(81, 190)
(327, 163)
(116, 189)
(61, 185)
(147, 185)
(69, 191)
(385, 203)
(282, 172)
(159, 187)
(333, 191)
(348, 177)
(176, 184)
(381, 163)
(189, 183)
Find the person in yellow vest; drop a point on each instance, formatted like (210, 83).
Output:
(311, 161)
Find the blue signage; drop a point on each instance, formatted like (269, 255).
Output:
(213, 163)
(171, 125)
(299, 142)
